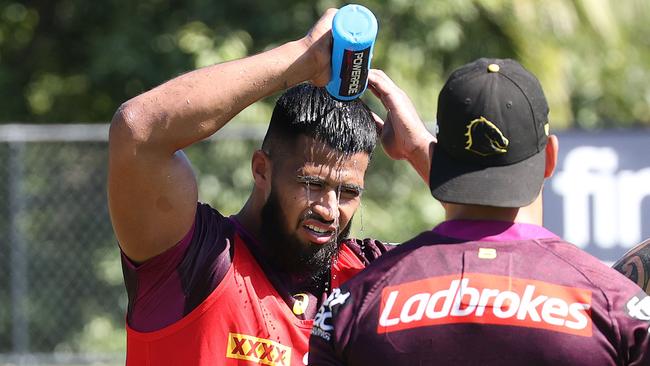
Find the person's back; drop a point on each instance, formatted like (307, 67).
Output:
(490, 285)
(537, 301)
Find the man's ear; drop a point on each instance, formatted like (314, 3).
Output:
(262, 166)
(552, 146)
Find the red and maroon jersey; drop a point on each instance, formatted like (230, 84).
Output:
(484, 293)
(210, 301)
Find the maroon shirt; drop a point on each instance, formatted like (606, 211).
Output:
(169, 286)
(484, 293)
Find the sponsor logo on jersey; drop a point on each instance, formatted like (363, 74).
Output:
(486, 299)
(638, 307)
(258, 350)
(322, 322)
(301, 304)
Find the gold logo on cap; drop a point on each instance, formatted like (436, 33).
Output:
(484, 138)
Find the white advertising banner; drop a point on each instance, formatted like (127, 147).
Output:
(599, 196)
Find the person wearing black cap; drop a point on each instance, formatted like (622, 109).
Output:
(490, 285)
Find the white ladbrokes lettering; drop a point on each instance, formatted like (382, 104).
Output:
(492, 300)
(553, 310)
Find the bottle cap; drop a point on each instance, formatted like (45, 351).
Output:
(355, 23)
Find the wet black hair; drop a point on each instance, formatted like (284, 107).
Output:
(347, 127)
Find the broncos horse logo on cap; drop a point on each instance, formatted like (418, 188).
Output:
(484, 138)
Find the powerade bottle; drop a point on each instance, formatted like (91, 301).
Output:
(354, 30)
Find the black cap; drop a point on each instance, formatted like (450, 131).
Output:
(493, 128)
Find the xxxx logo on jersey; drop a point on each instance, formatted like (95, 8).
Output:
(486, 299)
(258, 350)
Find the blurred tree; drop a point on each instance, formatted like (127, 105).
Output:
(76, 61)
(72, 276)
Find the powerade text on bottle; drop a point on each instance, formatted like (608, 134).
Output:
(354, 30)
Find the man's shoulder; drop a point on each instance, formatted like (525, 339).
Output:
(211, 226)
(210, 219)
(398, 251)
(593, 269)
(395, 258)
(368, 250)
(206, 210)
(570, 265)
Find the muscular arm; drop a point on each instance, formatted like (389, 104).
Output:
(152, 191)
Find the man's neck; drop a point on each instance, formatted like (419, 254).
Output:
(249, 218)
(531, 214)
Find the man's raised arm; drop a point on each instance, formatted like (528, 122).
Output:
(403, 135)
(152, 191)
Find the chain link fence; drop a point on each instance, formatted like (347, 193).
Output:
(62, 298)
(61, 290)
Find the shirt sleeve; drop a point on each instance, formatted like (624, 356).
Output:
(168, 286)
(321, 353)
(149, 282)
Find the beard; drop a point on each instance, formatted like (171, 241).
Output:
(286, 253)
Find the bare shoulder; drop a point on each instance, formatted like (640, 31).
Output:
(635, 265)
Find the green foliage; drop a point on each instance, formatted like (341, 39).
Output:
(76, 61)
(5, 250)
(396, 204)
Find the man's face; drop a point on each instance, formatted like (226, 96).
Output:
(315, 193)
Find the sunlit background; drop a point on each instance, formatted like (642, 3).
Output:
(66, 65)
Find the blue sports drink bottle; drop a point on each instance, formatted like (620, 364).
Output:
(354, 30)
